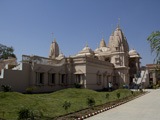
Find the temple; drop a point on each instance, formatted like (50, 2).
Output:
(92, 69)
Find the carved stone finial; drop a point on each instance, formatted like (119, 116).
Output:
(112, 29)
(86, 44)
(118, 22)
(52, 36)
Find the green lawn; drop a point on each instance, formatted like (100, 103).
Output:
(51, 103)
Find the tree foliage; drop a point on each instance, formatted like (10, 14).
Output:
(154, 41)
(6, 52)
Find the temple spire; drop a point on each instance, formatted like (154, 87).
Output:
(54, 39)
(86, 44)
(123, 31)
(112, 29)
(118, 22)
(102, 36)
(52, 36)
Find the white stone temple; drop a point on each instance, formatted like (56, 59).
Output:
(92, 69)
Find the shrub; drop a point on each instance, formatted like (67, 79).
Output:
(157, 86)
(154, 86)
(118, 95)
(30, 90)
(107, 96)
(6, 88)
(132, 92)
(66, 105)
(77, 85)
(28, 114)
(24, 113)
(140, 89)
(159, 83)
(91, 102)
(122, 86)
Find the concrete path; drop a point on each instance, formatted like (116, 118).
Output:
(146, 107)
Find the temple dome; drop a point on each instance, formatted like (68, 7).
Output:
(97, 50)
(105, 49)
(133, 53)
(87, 48)
(61, 55)
(86, 51)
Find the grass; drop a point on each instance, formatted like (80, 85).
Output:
(51, 103)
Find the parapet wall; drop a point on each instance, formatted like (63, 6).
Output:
(10, 61)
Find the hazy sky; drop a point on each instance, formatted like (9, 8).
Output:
(27, 24)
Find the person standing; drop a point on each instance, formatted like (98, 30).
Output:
(110, 86)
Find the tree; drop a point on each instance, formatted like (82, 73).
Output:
(6, 52)
(154, 41)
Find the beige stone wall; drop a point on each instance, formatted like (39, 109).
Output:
(93, 70)
(17, 79)
(10, 61)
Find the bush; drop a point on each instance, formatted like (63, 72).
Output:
(140, 89)
(118, 95)
(157, 86)
(77, 85)
(66, 105)
(107, 96)
(24, 113)
(28, 114)
(6, 88)
(154, 86)
(122, 86)
(132, 92)
(159, 83)
(30, 90)
(91, 102)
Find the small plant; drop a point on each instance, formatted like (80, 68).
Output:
(118, 95)
(30, 90)
(6, 88)
(91, 102)
(157, 86)
(77, 85)
(107, 96)
(66, 105)
(140, 89)
(154, 87)
(132, 92)
(159, 83)
(24, 113)
(122, 86)
(29, 114)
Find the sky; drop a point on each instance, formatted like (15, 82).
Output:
(26, 25)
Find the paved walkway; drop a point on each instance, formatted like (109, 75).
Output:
(146, 107)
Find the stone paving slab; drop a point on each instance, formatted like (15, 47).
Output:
(146, 107)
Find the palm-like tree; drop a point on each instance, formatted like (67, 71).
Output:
(154, 41)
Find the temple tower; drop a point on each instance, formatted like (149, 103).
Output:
(54, 49)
